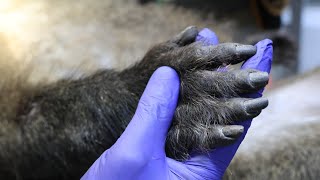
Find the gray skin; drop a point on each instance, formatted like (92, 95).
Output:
(60, 130)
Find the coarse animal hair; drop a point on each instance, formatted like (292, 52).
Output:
(71, 122)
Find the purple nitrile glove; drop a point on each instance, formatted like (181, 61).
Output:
(208, 37)
(140, 151)
(262, 60)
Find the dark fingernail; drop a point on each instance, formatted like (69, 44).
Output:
(232, 131)
(190, 31)
(259, 79)
(190, 28)
(188, 35)
(256, 105)
(246, 50)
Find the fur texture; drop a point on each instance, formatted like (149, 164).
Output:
(70, 123)
(283, 142)
(54, 41)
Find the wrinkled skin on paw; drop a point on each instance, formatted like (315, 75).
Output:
(209, 98)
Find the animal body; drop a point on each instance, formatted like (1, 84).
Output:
(60, 129)
(40, 122)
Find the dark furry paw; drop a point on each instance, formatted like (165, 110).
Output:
(209, 96)
(209, 105)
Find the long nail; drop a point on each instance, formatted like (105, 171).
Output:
(246, 51)
(256, 105)
(259, 79)
(232, 131)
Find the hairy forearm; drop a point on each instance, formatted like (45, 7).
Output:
(71, 122)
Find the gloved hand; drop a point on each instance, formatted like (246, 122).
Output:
(139, 152)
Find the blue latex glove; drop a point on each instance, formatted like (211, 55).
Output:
(139, 152)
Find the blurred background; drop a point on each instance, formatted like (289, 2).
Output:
(58, 39)
(51, 40)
